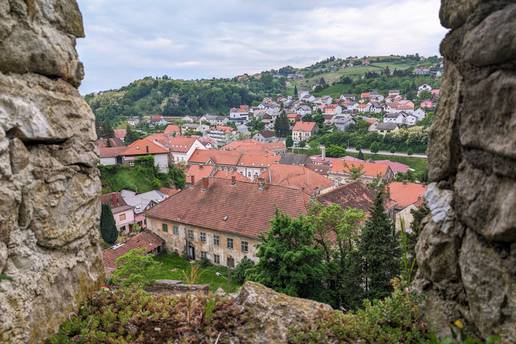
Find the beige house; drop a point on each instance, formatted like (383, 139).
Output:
(221, 219)
(303, 131)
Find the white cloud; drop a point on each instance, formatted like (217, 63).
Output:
(128, 39)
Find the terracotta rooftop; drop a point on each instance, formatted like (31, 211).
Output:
(404, 194)
(115, 201)
(197, 172)
(111, 152)
(296, 176)
(201, 156)
(253, 146)
(145, 146)
(146, 240)
(258, 160)
(304, 126)
(242, 208)
(396, 167)
(169, 191)
(228, 175)
(172, 128)
(353, 195)
(370, 169)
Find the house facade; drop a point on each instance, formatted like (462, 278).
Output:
(303, 131)
(123, 213)
(206, 221)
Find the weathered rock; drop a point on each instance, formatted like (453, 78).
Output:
(491, 43)
(466, 251)
(273, 313)
(490, 288)
(489, 210)
(39, 36)
(454, 13)
(443, 147)
(49, 183)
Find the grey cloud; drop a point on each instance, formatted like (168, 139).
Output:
(129, 39)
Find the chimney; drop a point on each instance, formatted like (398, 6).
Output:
(323, 151)
(113, 200)
(205, 183)
(192, 180)
(233, 180)
(147, 149)
(261, 184)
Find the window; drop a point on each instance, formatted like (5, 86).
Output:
(245, 246)
(216, 259)
(203, 237)
(175, 230)
(164, 227)
(230, 262)
(204, 255)
(216, 240)
(191, 235)
(122, 217)
(230, 243)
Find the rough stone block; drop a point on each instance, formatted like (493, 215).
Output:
(39, 36)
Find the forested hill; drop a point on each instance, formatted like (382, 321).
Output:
(166, 96)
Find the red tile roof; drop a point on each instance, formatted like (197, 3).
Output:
(172, 128)
(169, 191)
(253, 146)
(111, 152)
(296, 176)
(258, 160)
(353, 195)
(405, 194)
(228, 175)
(304, 126)
(115, 201)
(145, 240)
(241, 208)
(198, 172)
(370, 169)
(201, 156)
(396, 167)
(145, 146)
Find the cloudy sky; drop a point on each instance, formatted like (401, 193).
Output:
(189, 39)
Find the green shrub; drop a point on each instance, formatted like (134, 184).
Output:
(242, 270)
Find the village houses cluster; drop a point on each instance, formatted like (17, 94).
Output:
(235, 182)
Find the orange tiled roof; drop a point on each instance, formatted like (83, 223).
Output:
(258, 160)
(169, 191)
(353, 195)
(228, 175)
(370, 169)
(296, 176)
(111, 152)
(304, 126)
(219, 157)
(198, 172)
(241, 208)
(405, 194)
(172, 128)
(145, 146)
(146, 240)
(253, 146)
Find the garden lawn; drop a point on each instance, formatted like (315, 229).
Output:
(173, 265)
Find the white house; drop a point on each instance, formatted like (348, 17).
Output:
(396, 117)
(424, 88)
(146, 147)
(410, 120)
(343, 121)
(420, 114)
(182, 148)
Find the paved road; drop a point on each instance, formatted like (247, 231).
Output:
(367, 151)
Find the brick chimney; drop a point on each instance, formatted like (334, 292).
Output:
(192, 180)
(205, 183)
(113, 200)
(233, 180)
(323, 151)
(146, 149)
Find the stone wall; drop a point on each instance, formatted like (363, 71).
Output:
(49, 183)
(467, 250)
